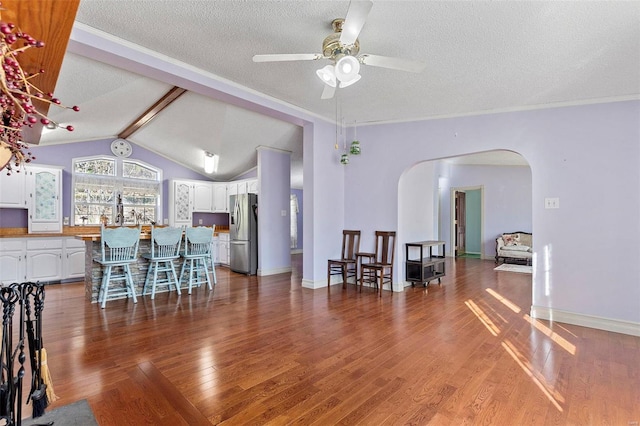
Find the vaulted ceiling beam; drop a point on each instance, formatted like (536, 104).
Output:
(149, 114)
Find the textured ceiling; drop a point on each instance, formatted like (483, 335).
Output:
(480, 57)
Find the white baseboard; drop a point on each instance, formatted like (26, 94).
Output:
(337, 280)
(314, 284)
(296, 251)
(600, 323)
(263, 273)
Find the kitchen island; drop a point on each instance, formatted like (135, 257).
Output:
(93, 270)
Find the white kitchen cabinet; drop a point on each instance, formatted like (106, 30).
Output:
(223, 248)
(13, 192)
(232, 188)
(180, 203)
(41, 259)
(220, 198)
(246, 186)
(12, 260)
(203, 200)
(44, 259)
(44, 186)
(73, 258)
(252, 186)
(215, 254)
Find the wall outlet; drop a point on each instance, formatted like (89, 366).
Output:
(199, 221)
(165, 221)
(65, 221)
(552, 203)
(283, 213)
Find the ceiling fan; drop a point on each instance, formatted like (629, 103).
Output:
(342, 48)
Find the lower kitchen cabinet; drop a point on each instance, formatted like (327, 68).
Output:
(73, 261)
(12, 261)
(44, 259)
(40, 259)
(223, 249)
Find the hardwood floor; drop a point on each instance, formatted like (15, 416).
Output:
(264, 350)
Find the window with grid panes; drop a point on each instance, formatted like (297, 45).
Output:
(99, 181)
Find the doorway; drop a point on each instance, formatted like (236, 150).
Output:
(467, 221)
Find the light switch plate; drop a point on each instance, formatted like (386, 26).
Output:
(283, 213)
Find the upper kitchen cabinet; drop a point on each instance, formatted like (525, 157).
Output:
(220, 199)
(203, 200)
(13, 192)
(44, 189)
(180, 202)
(252, 186)
(247, 186)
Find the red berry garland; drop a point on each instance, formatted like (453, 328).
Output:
(16, 94)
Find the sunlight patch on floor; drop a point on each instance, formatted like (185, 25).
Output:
(564, 344)
(524, 364)
(509, 304)
(484, 319)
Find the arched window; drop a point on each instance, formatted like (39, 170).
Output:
(100, 182)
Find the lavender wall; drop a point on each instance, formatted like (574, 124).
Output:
(274, 173)
(324, 202)
(208, 219)
(574, 153)
(13, 218)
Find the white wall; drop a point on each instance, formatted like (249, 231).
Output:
(588, 156)
(274, 175)
(417, 211)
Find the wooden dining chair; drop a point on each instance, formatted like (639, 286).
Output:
(380, 271)
(346, 265)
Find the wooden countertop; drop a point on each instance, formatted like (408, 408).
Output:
(86, 233)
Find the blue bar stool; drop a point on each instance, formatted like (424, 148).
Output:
(197, 252)
(165, 248)
(118, 249)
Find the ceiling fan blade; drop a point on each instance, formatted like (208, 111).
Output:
(328, 92)
(287, 57)
(392, 63)
(353, 23)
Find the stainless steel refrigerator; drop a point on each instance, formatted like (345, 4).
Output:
(243, 233)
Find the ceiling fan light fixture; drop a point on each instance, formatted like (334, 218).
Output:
(347, 68)
(344, 84)
(327, 75)
(210, 162)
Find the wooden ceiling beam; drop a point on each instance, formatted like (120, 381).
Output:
(154, 110)
(50, 21)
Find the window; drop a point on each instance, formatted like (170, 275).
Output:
(99, 183)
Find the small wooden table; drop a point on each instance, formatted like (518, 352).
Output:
(422, 264)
